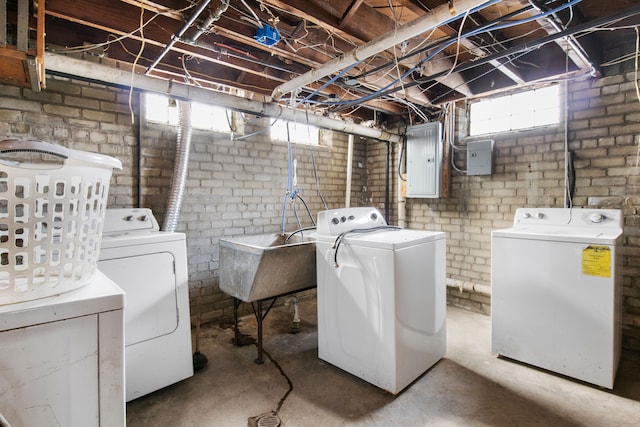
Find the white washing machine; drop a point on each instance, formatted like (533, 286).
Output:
(62, 358)
(381, 297)
(151, 267)
(556, 291)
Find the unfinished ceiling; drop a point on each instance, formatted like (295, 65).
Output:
(363, 58)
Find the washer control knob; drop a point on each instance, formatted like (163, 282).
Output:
(596, 217)
(351, 217)
(336, 221)
(343, 219)
(143, 218)
(526, 215)
(539, 215)
(128, 218)
(374, 216)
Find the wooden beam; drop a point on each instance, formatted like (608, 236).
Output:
(351, 10)
(40, 45)
(175, 12)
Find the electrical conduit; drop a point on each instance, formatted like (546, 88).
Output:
(347, 202)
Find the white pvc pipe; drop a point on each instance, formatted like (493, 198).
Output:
(347, 202)
(414, 28)
(94, 71)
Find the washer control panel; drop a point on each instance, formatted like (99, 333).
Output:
(336, 221)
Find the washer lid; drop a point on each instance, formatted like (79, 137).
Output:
(586, 235)
(391, 239)
(98, 296)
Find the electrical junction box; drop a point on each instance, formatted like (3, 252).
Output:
(424, 160)
(480, 157)
(267, 35)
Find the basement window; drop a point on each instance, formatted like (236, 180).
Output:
(525, 110)
(298, 132)
(210, 117)
(162, 109)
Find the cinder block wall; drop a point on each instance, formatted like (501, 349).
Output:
(233, 187)
(603, 134)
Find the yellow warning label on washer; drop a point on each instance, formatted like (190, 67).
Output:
(596, 261)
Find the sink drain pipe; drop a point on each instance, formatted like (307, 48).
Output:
(183, 145)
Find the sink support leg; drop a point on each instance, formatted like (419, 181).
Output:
(260, 318)
(260, 315)
(236, 304)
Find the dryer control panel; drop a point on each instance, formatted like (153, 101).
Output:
(336, 221)
(126, 220)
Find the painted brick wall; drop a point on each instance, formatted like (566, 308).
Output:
(233, 187)
(603, 134)
(236, 187)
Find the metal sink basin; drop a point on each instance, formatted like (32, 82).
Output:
(264, 266)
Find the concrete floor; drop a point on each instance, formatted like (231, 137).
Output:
(469, 387)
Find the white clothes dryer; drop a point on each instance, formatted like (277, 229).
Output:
(556, 291)
(381, 297)
(151, 267)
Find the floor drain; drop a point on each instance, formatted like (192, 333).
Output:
(270, 419)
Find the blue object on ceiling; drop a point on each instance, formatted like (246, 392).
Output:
(267, 35)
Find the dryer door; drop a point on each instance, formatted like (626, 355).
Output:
(149, 282)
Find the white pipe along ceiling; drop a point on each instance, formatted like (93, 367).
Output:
(69, 66)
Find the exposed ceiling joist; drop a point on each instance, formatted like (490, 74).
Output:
(465, 57)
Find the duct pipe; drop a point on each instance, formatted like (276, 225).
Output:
(72, 67)
(347, 202)
(438, 16)
(180, 167)
(179, 34)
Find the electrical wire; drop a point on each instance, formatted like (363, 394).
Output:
(486, 28)
(135, 62)
(258, 23)
(403, 148)
(89, 47)
(567, 191)
(441, 40)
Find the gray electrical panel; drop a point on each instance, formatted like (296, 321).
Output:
(480, 157)
(424, 160)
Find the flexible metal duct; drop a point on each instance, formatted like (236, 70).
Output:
(180, 167)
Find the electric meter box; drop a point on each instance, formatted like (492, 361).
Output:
(480, 157)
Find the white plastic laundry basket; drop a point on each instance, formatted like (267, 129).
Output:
(51, 217)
